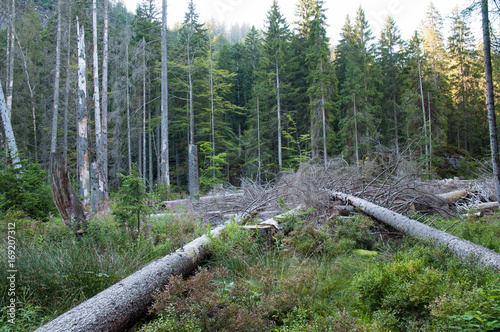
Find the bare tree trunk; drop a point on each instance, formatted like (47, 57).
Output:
(97, 104)
(278, 110)
(144, 110)
(66, 96)
(104, 112)
(490, 97)
(150, 142)
(165, 167)
(430, 132)
(459, 247)
(258, 143)
(424, 117)
(193, 170)
(32, 96)
(9, 133)
(129, 141)
(55, 108)
(323, 113)
(10, 60)
(396, 132)
(212, 109)
(82, 117)
(356, 131)
(192, 149)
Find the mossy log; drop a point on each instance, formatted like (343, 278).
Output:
(461, 248)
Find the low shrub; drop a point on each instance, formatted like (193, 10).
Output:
(26, 189)
(424, 287)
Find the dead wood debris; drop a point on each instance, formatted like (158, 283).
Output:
(397, 187)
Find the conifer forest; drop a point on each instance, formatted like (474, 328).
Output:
(202, 104)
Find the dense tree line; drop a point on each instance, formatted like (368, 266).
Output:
(252, 102)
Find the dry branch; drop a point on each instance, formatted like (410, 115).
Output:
(461, 248)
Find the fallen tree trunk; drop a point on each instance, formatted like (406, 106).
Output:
(202, 199)
(487, 206)
(120, 306)
(459, 247)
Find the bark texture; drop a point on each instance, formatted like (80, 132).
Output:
(82, 117)
(459, 247)
(67, 202)
(9, 133)
(490, 98)
(193, 171)
(165, 172)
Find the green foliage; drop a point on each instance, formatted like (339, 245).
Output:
(336, 237)
(424, 287)
(26, 189)
(132, 200)
(56, 272)
(27, 318)
(212, 170)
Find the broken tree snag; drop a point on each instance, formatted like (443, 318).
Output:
(67, 202)
(269, 227)
(120, 306)
(455, 196)
(459, 247)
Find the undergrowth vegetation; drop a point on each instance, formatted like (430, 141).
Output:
(56, 272)
(341, 276)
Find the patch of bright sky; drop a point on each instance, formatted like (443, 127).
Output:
(408, 14)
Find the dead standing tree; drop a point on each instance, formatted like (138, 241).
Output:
(65, 197)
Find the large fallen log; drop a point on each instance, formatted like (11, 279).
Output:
(120, 306)
(459, 247)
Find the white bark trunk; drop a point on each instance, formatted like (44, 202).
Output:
(104, 112)
(9, 133)
(165, 167)
(82, 117)
(97, 103)
(10, 60)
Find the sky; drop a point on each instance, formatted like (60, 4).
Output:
(408, 14)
